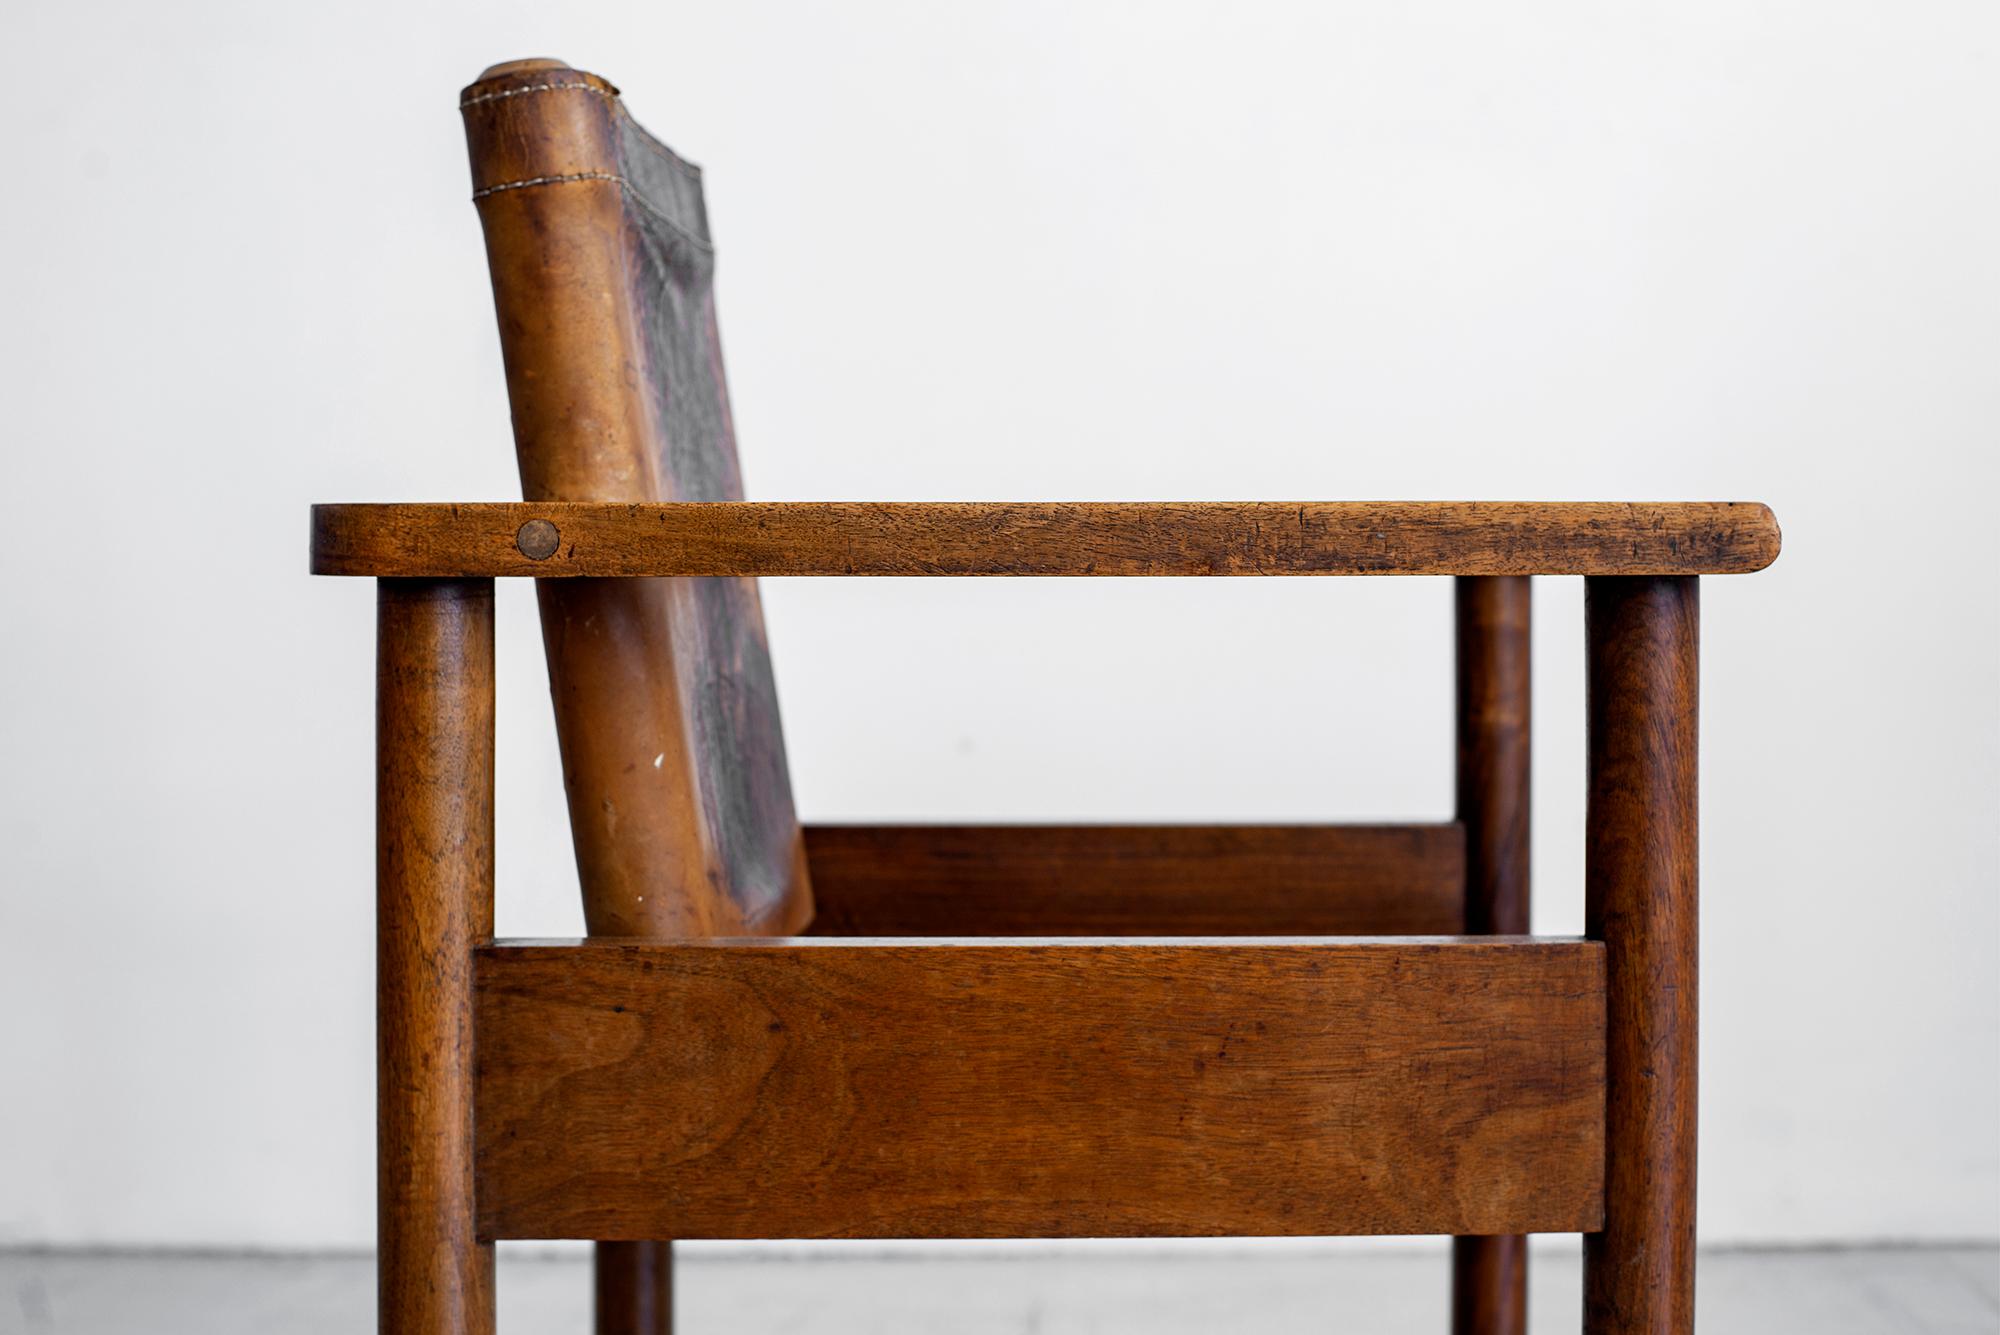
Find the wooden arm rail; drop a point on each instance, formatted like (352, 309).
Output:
(1109, 1088)
(546, 539)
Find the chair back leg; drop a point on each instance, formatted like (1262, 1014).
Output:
(1489, 1275)
(634, 1288)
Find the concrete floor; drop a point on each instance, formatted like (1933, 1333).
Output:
(952, 1292)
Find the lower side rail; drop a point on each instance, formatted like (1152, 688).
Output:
(864, 1088)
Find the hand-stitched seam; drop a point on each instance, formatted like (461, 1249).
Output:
(532, 88)
(623, 185)
(547, 180)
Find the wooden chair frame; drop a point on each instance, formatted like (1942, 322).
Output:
(1215, 1080)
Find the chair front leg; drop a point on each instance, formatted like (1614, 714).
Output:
(434, 903)
(1640, 888)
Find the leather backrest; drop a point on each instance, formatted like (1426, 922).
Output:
(603, 272)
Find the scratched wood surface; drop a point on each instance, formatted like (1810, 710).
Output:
(866, 1089)
(1137, 880)
(1058, 538)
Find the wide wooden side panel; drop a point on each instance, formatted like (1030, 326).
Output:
(1137, 880)
(1035, 1089)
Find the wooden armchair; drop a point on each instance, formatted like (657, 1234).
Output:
(913, 1032)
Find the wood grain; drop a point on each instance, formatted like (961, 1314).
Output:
(1493, 629)
(1204, 538)
(867, 1089)
(1136, 880)
(1640, 899)
(434, 902)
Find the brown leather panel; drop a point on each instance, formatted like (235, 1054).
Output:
(536, 124)
(596, 234)
(569, 328)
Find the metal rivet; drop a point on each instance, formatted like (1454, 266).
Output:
(538, 539)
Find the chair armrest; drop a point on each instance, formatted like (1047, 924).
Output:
(546, 539)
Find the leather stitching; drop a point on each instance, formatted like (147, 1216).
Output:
(548, 180)
(623, 185)
(532, 88)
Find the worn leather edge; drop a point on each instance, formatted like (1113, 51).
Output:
(581, 425)
(544, 146)
(582, 432)
(540, 126)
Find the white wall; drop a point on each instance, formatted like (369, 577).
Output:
(1447, 250)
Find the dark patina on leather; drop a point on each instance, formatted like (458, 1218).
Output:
(603, 277)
